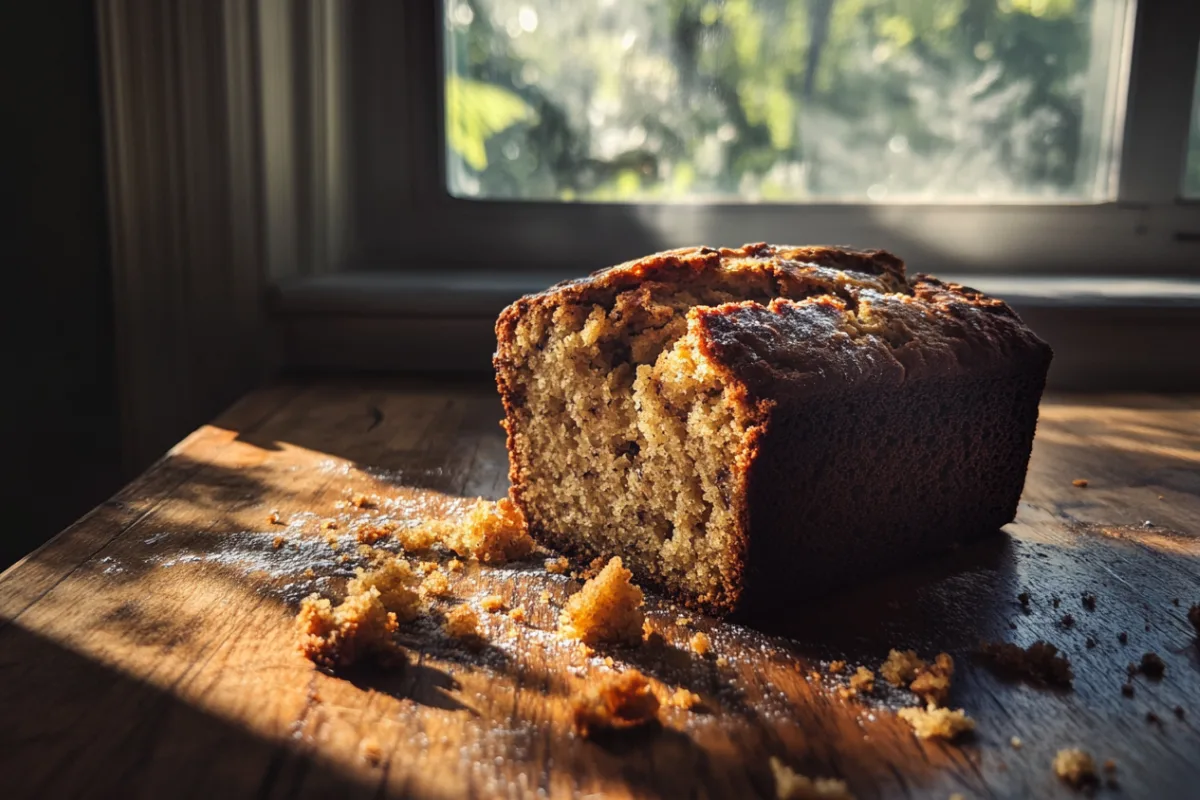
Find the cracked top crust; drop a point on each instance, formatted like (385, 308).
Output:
(837, 317)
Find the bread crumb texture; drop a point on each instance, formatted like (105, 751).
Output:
(901, 667)
(789, 785)
(376, 602)
(436, 584)
(684, 698)
(932, 722)
(491, 532)
(1041, 662)
(932, 682)
(607, 610)
(863, 681)
(462, 623)
(1075, 766)
(615, 702)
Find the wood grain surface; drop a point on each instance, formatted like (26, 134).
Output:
(149, 649)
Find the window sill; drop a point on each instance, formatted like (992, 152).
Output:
(1108, 333)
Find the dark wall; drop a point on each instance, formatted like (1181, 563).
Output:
(59, 414)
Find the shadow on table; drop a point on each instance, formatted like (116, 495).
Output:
(75, 728)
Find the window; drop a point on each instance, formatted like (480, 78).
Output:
(1191, 175)
(867, 101)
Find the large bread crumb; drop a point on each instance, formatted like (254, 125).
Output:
(493, 533)
(1075, 766)
(901, 667)
(463, 623)
(607, 609)
(790, 785)
(394, 580)
(615, 703)
(932, 682)
(933, 722)
(1041, 661)
(337, 636)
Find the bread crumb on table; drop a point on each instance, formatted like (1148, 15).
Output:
(436, 584)
(337, 636)
(1016, 742)
(932, 722)
(1079, 482)
(1041, 661)
(615, 702)
(608, 609)
(491, 532)
(517, 614)
(684, 698)
(836, 666)
(1075, 766)
(274, 517)
(462, 623)
(790, 785)
(1152, 666)
(454, 565)
(277, 542)
(700, 643)
(901, 667)
(492, 603)
(394, 581)
(932, 682)
(557, 566)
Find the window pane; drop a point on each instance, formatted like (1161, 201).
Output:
(1191, 174)
(778, 101)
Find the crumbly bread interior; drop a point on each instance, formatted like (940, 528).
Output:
(630, 434)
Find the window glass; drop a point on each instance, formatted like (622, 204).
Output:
(782, 101)
(1191, 173)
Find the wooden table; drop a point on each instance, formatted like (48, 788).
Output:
(149, 648)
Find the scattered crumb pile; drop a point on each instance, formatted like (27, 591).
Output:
(901, 667)
(376, 602)
(861, 682)
(615, 703)
(493, 533)
(790, 785)
(932, 722)
(685, 699)
(929, 681)
(932, 682)
(1040, 662)
(1075, 767)
(608, 609)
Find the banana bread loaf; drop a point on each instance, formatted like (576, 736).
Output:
(746, 427)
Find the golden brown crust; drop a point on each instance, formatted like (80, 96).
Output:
(838, 320)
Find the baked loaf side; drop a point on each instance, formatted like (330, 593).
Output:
(728, 420)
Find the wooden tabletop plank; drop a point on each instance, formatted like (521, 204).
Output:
(149, 649)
